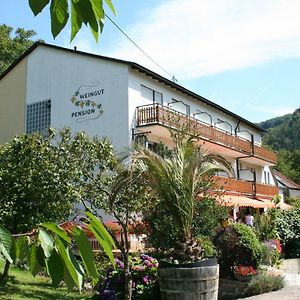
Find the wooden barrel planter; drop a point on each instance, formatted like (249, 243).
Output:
(188, 282)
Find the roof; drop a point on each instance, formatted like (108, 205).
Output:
(285, 181)
(243, 201)
(141, 69)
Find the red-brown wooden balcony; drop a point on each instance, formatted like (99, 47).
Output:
(157, 114)
(243, 187)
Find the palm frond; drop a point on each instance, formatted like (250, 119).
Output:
(178, 180)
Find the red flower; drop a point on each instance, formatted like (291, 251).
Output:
(244, 270)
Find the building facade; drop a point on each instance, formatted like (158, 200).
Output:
(56, 87)
(287, 187)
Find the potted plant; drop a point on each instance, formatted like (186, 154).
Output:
(177, 181)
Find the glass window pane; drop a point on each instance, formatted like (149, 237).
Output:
(147, 93)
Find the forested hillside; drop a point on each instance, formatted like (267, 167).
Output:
(283, 132)
(283, 136)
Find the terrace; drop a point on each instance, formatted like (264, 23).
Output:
(214, 139)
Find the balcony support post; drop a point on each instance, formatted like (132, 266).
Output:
(252, 144)
(254, 183)
(237, 168)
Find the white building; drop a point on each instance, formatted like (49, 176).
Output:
(58, 87)
(287, 187)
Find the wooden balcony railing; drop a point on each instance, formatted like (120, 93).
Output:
(233, 185)
(266, 189)
(264, 153)
(159, 114)
(245, 187)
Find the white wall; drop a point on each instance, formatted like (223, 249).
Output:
(56, 74)
(294, 193)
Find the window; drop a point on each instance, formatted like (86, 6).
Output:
(267, 177)
(38, 117)
(152, 95)
(180, 106)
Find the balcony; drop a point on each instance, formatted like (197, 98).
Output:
(156, 114)
(243, 187)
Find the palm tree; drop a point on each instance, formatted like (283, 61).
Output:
(177, 181)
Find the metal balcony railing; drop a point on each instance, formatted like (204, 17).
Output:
(159, 114)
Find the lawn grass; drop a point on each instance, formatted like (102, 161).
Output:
(22, 285)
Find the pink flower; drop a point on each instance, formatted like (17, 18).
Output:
(146, 279)
(148, 264)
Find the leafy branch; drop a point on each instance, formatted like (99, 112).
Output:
(50, 248)
(88, 12)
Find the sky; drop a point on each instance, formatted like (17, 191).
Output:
(241, 54)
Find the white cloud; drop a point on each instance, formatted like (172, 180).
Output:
(193, 38)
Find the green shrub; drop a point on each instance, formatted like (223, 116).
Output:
(263, 283)
(237, 245)
(288, 228)
(163, 235)
(209, 250)
(144, 280)
(292, 249)
(270, 256)
(264, 225)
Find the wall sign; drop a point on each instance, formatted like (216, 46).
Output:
(86, 98)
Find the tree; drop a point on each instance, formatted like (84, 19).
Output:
(289, 164)
(126, 199)
(177, 182)
(88, 12)
(42, 177)
(35, 183)
(12, 47)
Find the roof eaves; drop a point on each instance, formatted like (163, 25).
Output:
(139, 68)
(191, 94)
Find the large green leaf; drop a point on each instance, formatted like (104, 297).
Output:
(7, 244)
(89, 10)
(41, 256)
(68, 279)
(102, 235)
(57, 230)
(46, 241)
(55, 268)
(59, 15)
(109, 3)
(97, 9)
(33, 261)
(76, 18)
(70, 263)
(22, 247)
(86, 253)
(84, 8)
(94, 27)
(37, 5)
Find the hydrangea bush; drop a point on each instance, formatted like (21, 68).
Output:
(271, 252)
(144, 279)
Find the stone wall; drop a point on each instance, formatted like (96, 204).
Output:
(291, 266)
(231, 289)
